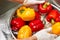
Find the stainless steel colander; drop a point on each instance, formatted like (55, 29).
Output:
(56, 2)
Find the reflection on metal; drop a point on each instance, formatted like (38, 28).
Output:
(55, 7)
(56, 2)
(5, 21)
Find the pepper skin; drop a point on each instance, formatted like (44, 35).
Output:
(45, 7)
(52, 16)
(37, 15)
(36, 25)
(58, 18)
(24, 32)
(27, 14)
(56, 28)
(16, 23)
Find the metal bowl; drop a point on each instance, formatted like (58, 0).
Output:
(51, 4)
(56, 2)
(5, 22)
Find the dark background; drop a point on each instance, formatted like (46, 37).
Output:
(5, 5)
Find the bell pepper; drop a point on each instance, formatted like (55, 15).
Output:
(45, 7)
(16, 23)
(24, 32)
(36, 25)
(27, 14)
(51, 17)
(56, 28)
(37, 15)
(58, 18)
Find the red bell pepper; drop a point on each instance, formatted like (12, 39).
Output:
(16, 23)
(36, 25)
(58, 18)
(45, 7)
(37, 15)
(51, 17)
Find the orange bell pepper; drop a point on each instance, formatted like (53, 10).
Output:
(27, 14)
(56, 28)
(24, 32)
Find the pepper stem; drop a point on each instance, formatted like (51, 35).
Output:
(46, 4)
(21, 11)
(52, 21)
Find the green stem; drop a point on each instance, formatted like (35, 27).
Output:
(46, 4)
(21, 11)
(52, 21)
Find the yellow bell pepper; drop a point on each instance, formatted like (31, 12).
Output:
(56, 28)
(24, 32)
(27, 14)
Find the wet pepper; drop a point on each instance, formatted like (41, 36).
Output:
(27, 14)
(56, 28)
(16, 23)
(45, 7)
(37, 15)
(51, 17)
(24, 32)
(36, 25)
(58, 18)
